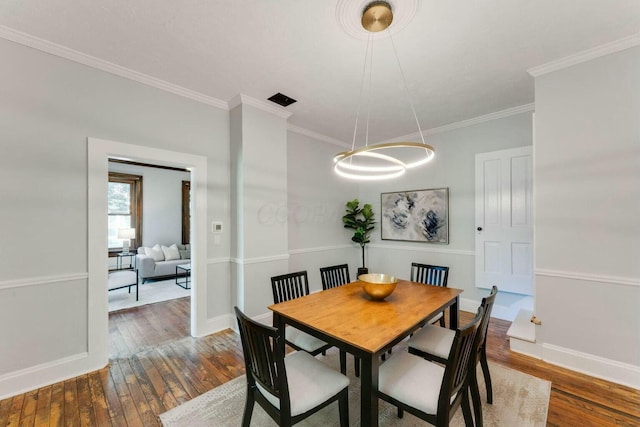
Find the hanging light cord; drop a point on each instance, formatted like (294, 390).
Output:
(364, 69)
(406, 87)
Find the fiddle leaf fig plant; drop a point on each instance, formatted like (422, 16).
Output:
(362, 221)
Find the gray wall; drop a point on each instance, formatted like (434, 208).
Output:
(48, 108)
(453, 167)
(316, 203)
(587, 208)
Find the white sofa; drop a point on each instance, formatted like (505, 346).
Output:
(160, 261)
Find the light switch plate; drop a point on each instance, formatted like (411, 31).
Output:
(216, 227)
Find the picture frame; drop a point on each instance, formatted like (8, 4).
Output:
(415, 216)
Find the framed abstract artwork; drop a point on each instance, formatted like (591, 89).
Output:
(416, 216)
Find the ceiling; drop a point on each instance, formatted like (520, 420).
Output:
(461, 59)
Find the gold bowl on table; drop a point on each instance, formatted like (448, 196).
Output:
(378, 286)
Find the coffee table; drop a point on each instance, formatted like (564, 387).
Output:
(186, 283)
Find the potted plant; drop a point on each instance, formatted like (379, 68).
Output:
(362, 222)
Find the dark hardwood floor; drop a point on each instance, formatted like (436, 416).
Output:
(155, 366)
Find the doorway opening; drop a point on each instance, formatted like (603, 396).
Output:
(99, 153)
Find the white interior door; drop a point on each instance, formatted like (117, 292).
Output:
(504, 223)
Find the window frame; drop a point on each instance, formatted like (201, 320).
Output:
(136, 207)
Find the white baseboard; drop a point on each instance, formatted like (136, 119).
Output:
(34, 377)
(531, 349)
(595, 366)
(217, 324)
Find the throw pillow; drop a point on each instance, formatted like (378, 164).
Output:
(155, 253)
(184, 254)
(171, 252)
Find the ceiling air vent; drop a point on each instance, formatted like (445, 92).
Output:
(281, 99)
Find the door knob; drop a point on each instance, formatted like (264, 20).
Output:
(479, 228)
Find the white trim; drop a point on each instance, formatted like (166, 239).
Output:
(595, 366)
(616, 280)
(531, 349)
(422, 249)
(34, 281)
(257, 260)
(99, 151)
(34, 377)
(319, 249)
(217, 324)
(259, 104)
(317, 136)
(586, 55)
(100, 64)
(218, 260)
(469, 122)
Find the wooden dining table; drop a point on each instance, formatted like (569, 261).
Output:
(350, 320)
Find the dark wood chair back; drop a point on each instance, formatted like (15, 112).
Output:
(429, 274)
(263, 350)
(334, 276)
(487, 305)
(461, 356)
(289, 286)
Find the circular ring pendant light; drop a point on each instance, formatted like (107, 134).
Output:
(380, 161)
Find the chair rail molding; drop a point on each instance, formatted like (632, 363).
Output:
(422, 249)
(616, 280)
(319, 249)
(257, 260)
(34, 281)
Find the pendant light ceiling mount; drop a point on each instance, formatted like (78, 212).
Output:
(386, 160)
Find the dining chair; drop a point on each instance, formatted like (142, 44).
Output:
(289, 286)
(428, 390)
(334, 276)
(434, 343)
(289, 388)
(431, 275)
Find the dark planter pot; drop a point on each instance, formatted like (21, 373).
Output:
(362, 270)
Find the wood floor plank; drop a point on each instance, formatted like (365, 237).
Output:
(160, 387)
(138, 396)
(56, 414)
(85, 404)
(5, 409)
(28, 415)
(97, 380)
(43, 407)
(129, 406)
(155, 366)
(15, 410)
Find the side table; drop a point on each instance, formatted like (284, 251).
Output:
(132, 260)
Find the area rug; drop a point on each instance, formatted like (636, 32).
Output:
(518, 400)
(149, 293)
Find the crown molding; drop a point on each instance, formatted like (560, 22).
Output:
(97, 63)
(469, 122)
(317, 136)
(259, 104)
(586, 55)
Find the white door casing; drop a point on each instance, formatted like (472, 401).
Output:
(504, 220)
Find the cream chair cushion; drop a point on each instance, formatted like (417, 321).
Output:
(434, 340)
(302, 339)
(412, 380)
(310, 381)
